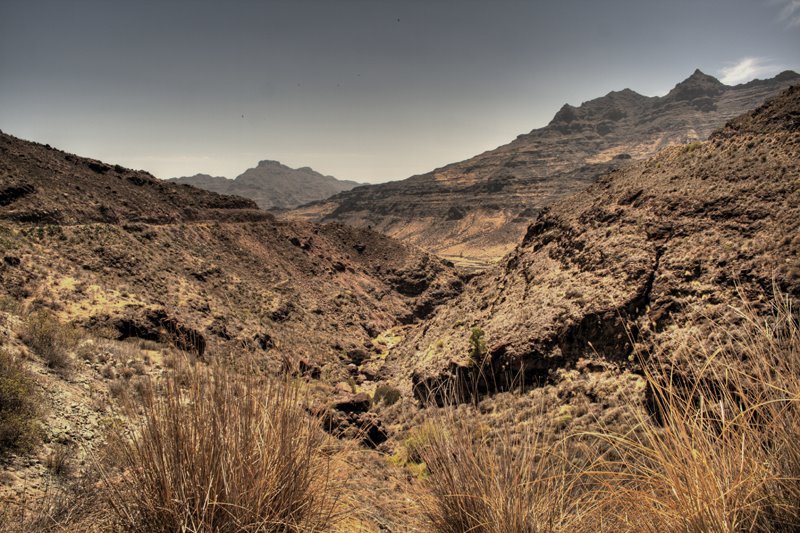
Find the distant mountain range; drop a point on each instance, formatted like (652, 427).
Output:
(273, 186)
(475, 211)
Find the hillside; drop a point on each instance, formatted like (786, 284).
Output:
(273, 186)
(668, 243)
(128, 260)
(43, 185)
(475, 211)
(109, 246)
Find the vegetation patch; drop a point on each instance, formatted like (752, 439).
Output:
(20, 423)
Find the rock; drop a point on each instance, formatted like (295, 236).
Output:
(357, 403)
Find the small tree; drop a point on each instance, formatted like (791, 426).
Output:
(477, 357)
(478, 346)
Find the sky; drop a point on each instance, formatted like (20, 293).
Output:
(371, 90)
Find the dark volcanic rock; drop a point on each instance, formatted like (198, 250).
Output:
(39, 184)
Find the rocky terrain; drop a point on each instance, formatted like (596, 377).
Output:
(375, 333)
(670, 242)
(474, 211)
(124, 257)
(273, 186)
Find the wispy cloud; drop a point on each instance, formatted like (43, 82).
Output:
(789, 12)
(748, 68)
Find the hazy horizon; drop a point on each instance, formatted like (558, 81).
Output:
(366, 91)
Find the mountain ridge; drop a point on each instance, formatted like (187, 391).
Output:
(665, 243)
(474, 211)
(273, 185)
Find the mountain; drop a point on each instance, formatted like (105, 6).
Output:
(668, 243)
(474, 211)
(273, 186)
(140, 280)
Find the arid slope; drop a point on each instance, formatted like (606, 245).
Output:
(633, 257)
(106, 246)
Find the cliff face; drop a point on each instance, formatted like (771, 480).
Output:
(273, 186)
(475, 211)
(634, 257)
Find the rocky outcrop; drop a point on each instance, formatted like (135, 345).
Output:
(630, 259)
(273, 186)
(475, 211)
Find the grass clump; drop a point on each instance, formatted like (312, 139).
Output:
(721, 451)
(51, 339)
(387, 394)
(224, 454)
(498, 482)
(20, 426)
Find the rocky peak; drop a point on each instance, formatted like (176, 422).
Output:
(271, 163)
(474, 211)
(698, 85)
(612, 106)
(787, 75)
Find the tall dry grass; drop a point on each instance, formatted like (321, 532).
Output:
(724, 453)
(224, 453)
(718, 449)
(500, 483)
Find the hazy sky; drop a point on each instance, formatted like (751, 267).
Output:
(370, 90)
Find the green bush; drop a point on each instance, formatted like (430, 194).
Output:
(20, 429)
(477, 345)
(387, 394)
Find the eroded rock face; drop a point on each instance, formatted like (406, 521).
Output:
(631, 257)
(475, 211)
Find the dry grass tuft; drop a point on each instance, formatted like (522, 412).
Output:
(726, 453)
(716, 449)
(499, 483)
(224, 454)
(20, 416)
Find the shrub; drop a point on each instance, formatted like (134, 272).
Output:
(50, 339)
(20, 428)
(60, 460)
(387, 394)
(477, 345)
(226, 454)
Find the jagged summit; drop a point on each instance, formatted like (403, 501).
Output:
(787, 75)
(613, 106)
(698, 85)
(272, 163)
